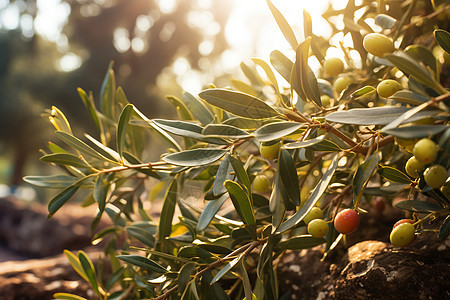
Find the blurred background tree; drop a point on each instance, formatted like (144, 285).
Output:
(49, 48)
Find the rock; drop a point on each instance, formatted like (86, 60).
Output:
(369, 270)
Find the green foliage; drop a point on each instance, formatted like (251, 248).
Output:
(332, 157)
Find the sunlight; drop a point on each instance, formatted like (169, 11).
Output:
(69, 62)
(51, 17)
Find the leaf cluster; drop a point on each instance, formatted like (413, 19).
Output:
(331, 156)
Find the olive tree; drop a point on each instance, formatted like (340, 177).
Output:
(280, 167)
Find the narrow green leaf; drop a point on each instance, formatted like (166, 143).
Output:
(443, 39)
(325, 146)
(410, 115)
(116, 276)
(245, 280)
(416, 131)
(195, 157)
(386, 191)
(107, 93)
(109, 153)
(90, 105)
(423, 54)
(224, 131)
(288, 175)
(187, 129)
(315, 196)
(122, 127)
(198, 109)
(392, 174)
(444, 230)
(182, 110)
(377, 115)
(210, 211)
(252, 75)
(52, 181)
(241, 202)
(67, 296)
(59, 120)
(269, 73)
(159, 131)
(215, 290)
(168, 209)
(100, 193)
(223, 173)
(61, 198)
(303, 144)
(121, 98)
(362, 176)
(100, 236)
(225, 269)
(216, 249)
(276, 130)
(243, 87)
(307, 24)
(143, 262)
(238, 103)
(418, 206)
(191, 252)
(185, 276)
(409, 97)
(190, 293)
(75, 263)
(301, 242)
(363, 91)
(385, 21)
(303, 74)
(241, 173)
(89, 270)
(283, 65)
(65, 159)
(80, 146)
(277, 202)
(409, 66)
(284, 25)
(243, 123)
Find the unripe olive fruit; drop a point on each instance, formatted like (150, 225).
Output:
(425, 150)
(261, 183)
(295, 135)
(325, 99)
(388, 87)
(446, 191)
(378, 44)
(408, 144)
(269, 150)
(314, 213)
(403, 235)
(333, 66)
(318, 228)
(435, 176)
(346, 221)
(412, 166)
(341, 83)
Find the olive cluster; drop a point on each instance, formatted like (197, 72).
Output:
(425, 152)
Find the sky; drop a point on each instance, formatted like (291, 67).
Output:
(250, 26)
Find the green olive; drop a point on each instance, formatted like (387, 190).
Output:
(378, 44)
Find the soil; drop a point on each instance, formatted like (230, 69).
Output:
(365, 266)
